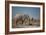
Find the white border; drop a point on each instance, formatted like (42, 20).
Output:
(22, 29)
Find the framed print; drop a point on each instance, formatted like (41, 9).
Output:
(24, 17)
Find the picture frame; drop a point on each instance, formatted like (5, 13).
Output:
(28, 4)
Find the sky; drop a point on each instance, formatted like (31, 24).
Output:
(31, 11)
